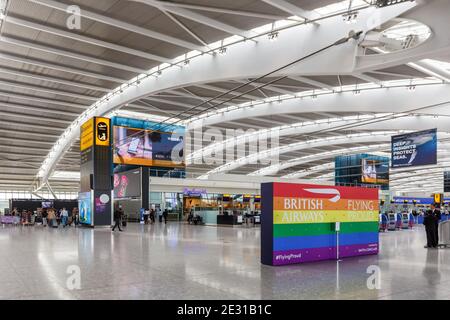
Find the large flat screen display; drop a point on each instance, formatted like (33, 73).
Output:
(446, 181)
(85, 207)
(148, 148)
(414, 149)
(127, 184)
(375, 172)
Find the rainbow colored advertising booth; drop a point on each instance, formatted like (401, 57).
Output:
(304, 222)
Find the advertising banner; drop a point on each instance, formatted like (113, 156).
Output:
(148, 148)
(127, 184)
(85, 208)
(414, 149)
(446, 181)
(298, 222)
(375, 171)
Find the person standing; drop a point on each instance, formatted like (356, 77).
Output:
(64, 217)
(117, 218)
(431, 222)
(160, 215)
(437, 219)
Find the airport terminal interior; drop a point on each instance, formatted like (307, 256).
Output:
(224, 150)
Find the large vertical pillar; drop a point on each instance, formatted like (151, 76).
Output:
(145, 185)
(95, 200)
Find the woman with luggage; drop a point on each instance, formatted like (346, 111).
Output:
(51, 218)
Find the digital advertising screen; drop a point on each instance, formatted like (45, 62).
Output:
(47, 204)
(374, 172)
(148, 148)
(446, 181)
(85, 207)
(127, 184)
(414, 149)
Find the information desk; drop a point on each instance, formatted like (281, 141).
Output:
(230, 220)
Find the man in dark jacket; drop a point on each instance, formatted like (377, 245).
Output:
(117, 218)
(431, 222)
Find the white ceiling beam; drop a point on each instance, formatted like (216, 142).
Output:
(222, 10)
(312, 82)
(69, 54)
(122, 25)
(194, 16)
(170, 102)
(269, 87)
(11, 57)
(47, 90)
(34, 76)
(222, 90)
(32, 117)
(292, 9)
(34, 134)
(44, 100)
(38, 109)
(431, 70)
(85, 39)
(392, 74)
(29, 125)
(185, 28)
(367, 78)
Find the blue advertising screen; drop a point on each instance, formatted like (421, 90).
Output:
(414, 149)
(85, 207)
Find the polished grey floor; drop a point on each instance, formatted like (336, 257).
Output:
(179, 261)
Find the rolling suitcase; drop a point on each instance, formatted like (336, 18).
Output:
(444, 234)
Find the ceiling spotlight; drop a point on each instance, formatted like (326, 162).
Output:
(222, 50)
(186, 62)
(357, 92)
(350, 17)
(314, 96)
(273, 35)
(412, 88)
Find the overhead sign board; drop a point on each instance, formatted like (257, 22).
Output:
(414, 149)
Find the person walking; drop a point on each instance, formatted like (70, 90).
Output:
(152, 216)
(146, 216)
(431, 222)
(64, 217)
(51, 218)
(160, 215)
(44, 217)
(117, 218)
(165, 215)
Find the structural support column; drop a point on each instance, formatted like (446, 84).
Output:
(145, 194)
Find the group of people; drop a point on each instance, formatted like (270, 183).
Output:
(150, 216)
(47, 217)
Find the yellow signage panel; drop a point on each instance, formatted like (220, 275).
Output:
(87, 135)
(438, 198)
(102, 132)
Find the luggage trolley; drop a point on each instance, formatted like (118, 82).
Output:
(444, 234)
